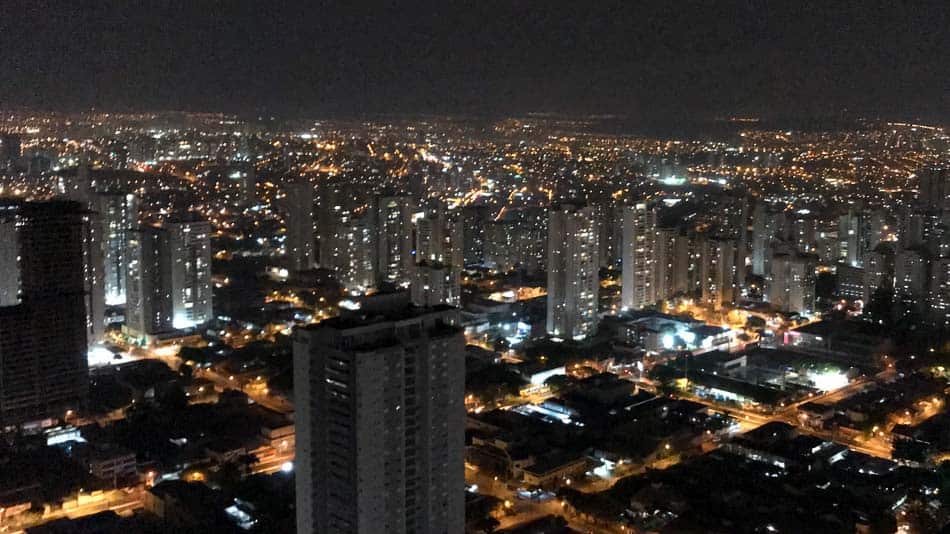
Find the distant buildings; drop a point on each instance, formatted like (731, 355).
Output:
(43, 330)
(380, 420)
(573, 278)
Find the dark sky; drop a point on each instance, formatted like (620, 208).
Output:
(650, 59)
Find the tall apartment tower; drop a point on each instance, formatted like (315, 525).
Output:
(148, 297)
(854, 238)
(718, 271)
(394, 259)
(767, 224)
(573, 277)
(934, 189)
(380, 420)
(434, 284)
(910, 273)
(169, 277)
(118, 213)
(300, 235)
(638, 257)
(189, 241)
(940, 292)
(82, 189)
(878, 269)
(43, 333)
(791, 286)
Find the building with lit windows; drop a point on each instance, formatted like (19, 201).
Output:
(300, 236)
(791, 283)
(118, 213)
(169, 277)
(380, 420)
(435, 283)
(43, 334)
(638, 257)
(190, 251)
(394, 259)
(718, 271)
(573, 278)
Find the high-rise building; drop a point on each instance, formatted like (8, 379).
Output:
(878, 269)
(10, 148)
(43, 336)
(169, 277)
(474, 219)
(189, 242)
(380, 420)
(431, 237)
(81, 188)
(9, 250)
(940, 292)
(394, 260)
(148, 296)
(573, 278)
(854, 237)
(791, 284)
(610, 225)
(299, 222)
(934, 188)
(637, 257)
(850, 281)
(118, 213)
(718, 271)
(671, 267)
(357, 273)
(767, 225)
(910, 273)
(517, 240)
(439, 237)
(434, 284)
(804, 233)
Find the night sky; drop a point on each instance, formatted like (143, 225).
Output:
(641, 59)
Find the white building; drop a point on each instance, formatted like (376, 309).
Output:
(573, 278)
(637, 257)
(119, 214)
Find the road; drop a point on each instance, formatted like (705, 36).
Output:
(524, 510)
(122, 502)
(749, 419)
(259, 395)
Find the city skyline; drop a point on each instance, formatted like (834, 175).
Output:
(498, 267)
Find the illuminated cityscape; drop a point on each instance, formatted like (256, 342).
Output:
(440, 288)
